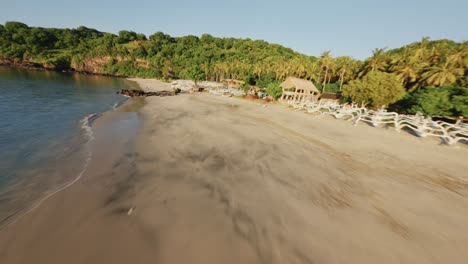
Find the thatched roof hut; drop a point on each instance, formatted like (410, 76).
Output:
(298, 89)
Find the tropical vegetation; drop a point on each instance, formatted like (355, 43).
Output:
(441, 64)
(375, 89)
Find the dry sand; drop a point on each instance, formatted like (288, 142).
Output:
(222, 180)
(151, 85)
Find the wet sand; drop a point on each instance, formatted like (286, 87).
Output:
(222, 180)
(84, 223)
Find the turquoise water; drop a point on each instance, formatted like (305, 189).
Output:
(45, 132)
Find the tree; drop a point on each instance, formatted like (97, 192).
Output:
(126, 36)
(274, 89)
(439, 101)
(326, 63)
(442, 75)
(195, 73)
(207, 38)
(141, 36)
(433, 57)
(438, 63)
(375, 89)
(432, 102)
(84, 32)
(460, 105)
(160, 37)
(312, 71)
(420, 52)
(459, 56)
(258, 70)
(459, 99)
(344, 65)
(13, 26)
(408, 72)
(378, 61)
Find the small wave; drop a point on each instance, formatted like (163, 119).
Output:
(86, 126)
(121, 102)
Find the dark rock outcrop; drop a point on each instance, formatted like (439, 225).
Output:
(135, 93)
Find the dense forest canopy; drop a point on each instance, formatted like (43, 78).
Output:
(440, 63)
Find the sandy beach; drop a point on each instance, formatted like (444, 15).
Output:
(210, 179)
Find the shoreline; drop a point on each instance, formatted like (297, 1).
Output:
(87, 127)
(22, 212)
(224, 180)
(33, 66)
(114, 131)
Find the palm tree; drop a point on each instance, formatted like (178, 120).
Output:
(442, 75)
(421, 50)
(398, 58)
(433, 56)
(224, 70)
(344, 64)
(282, 70)
(409, 71)
(277, 68)
(311, 72)
(298, 66)
(355, 68)
(287, 70)
(244, 69)
(378, 61)
(459, 56)
(206, 70)
(326, 62)
(220, 71)
(258, 70)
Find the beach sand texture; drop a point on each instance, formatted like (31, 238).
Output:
(222, 180)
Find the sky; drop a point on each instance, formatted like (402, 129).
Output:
(352, 28)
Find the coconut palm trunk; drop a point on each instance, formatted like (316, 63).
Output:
(342, 78)
(325, 80)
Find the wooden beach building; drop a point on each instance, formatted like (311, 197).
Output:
(299, 90)
(332, 97)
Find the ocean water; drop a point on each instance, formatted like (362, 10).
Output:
(45, 131)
